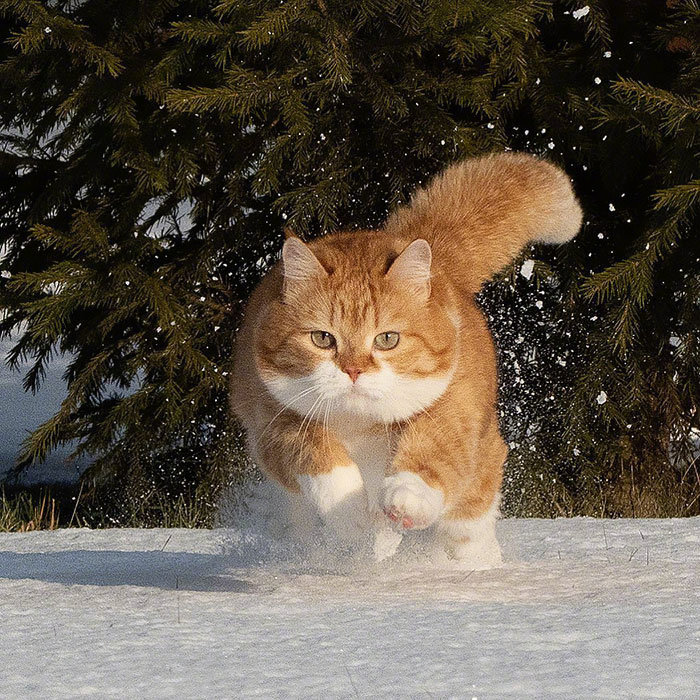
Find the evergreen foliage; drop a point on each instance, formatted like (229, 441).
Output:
(153, 152)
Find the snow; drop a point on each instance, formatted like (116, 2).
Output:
(527, 269)
(582, 608)
(582, 12)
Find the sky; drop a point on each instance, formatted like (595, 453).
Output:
(21, 412)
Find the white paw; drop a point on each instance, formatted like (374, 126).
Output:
(472, 543)
(477, 555)
(339, 498)
(350, 519)
(386, 542)
(409, 502)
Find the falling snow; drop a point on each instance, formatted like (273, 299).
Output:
(527, 269)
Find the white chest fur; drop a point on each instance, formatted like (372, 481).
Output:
(371, 451)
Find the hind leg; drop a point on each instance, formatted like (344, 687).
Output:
(468, 529)
(469, 537)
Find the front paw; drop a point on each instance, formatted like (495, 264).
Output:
(339, 498)
(409, 502)
(349, 519)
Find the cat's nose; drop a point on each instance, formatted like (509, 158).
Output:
(353, 373)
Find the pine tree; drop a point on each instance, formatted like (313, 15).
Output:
(154, 152)
(621, 435)
(104, 211)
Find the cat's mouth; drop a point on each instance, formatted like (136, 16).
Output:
(356, 390)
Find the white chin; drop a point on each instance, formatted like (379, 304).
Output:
(383, 397)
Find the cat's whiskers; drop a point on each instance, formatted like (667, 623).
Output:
(300, 395)
(317, 415)
(314, 419)
(321, 423)
(388, 433)
(426, 412)
(306, 421)
(326, 433)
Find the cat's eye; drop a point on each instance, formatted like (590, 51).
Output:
(322, 339)
(386, 341)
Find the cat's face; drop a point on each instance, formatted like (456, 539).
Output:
(349, 341)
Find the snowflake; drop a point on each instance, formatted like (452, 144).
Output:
(582, 12)
(527, 268)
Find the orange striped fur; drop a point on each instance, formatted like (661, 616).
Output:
(413, 439)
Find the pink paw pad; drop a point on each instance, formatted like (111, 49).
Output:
(396, 517)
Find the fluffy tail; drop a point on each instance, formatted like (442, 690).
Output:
(478, 214)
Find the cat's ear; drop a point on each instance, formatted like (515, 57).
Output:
(412, 268)
(299, 264)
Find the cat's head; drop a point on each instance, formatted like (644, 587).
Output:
(354, 330)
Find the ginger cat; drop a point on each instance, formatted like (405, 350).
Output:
(365, 374)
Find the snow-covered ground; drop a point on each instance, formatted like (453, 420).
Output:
(582, 609)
